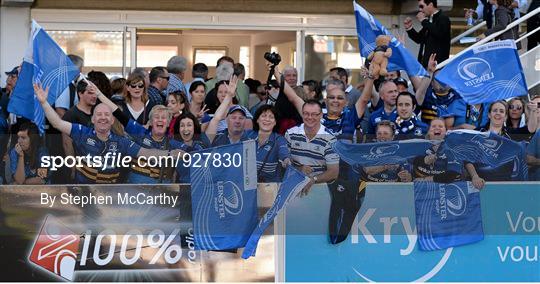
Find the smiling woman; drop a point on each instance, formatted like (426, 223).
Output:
(137, 105)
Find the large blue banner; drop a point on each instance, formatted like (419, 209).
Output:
(382, 245)
(224, 196)
(368, 28)
(381, 153)
(447, 215)
(293, 182)
(44, 63)
(489, 149)
(486, 73)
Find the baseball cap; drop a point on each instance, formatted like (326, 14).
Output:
(401, 81)
(14, 71)
(235, 108)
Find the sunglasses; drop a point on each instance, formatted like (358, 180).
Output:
(515, 107)
(164, 77)
(134, 86)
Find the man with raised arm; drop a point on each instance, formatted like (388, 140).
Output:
(99, 141)
(340, 119)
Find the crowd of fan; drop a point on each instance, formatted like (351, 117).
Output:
(157, 113)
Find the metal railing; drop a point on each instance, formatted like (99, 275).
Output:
(494, 35)
(468, 32)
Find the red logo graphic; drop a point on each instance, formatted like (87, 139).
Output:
(56, 248)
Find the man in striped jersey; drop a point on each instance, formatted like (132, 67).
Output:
(311, 147)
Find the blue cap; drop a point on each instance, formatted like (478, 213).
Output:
(235, 108)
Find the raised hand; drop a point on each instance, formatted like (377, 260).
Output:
(201, 113)
(94, 87)
(231, 87)
(41, 94)
(420, 16)
(432, 63)
(407, 23)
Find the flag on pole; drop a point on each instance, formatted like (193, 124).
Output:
(368, 28)
(293, 182)
(486, 73)
(44, 63)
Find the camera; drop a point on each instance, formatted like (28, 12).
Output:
(273, 58)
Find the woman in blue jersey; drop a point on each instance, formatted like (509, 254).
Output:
(189, 133)
(480, 173)
(272, 151)
(25, 157)
(153, 137)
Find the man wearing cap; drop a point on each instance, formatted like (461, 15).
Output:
(235, 131)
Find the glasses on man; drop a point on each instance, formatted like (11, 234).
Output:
(165, 77)
(137, 86)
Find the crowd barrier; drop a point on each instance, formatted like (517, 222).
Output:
(382, 244)
(42, 241)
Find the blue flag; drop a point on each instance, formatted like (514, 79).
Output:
(381, 153)
(447, 214)
(368, 28)
(293, 182)
(44, 63)
(488, 148)
(486, 73)
(224, 195)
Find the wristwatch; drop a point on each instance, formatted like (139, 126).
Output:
(315, 179)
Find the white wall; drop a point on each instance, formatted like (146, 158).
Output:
(14, 33)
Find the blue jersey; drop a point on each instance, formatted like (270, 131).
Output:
(409, 129)
(87, 143)
(222, 137)
(468, 115)
(183, 172)
(436, 105)
(143, 137)
(345, 125)
(445, 162)
(378, 116)
(269, 155)
(30, 171)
